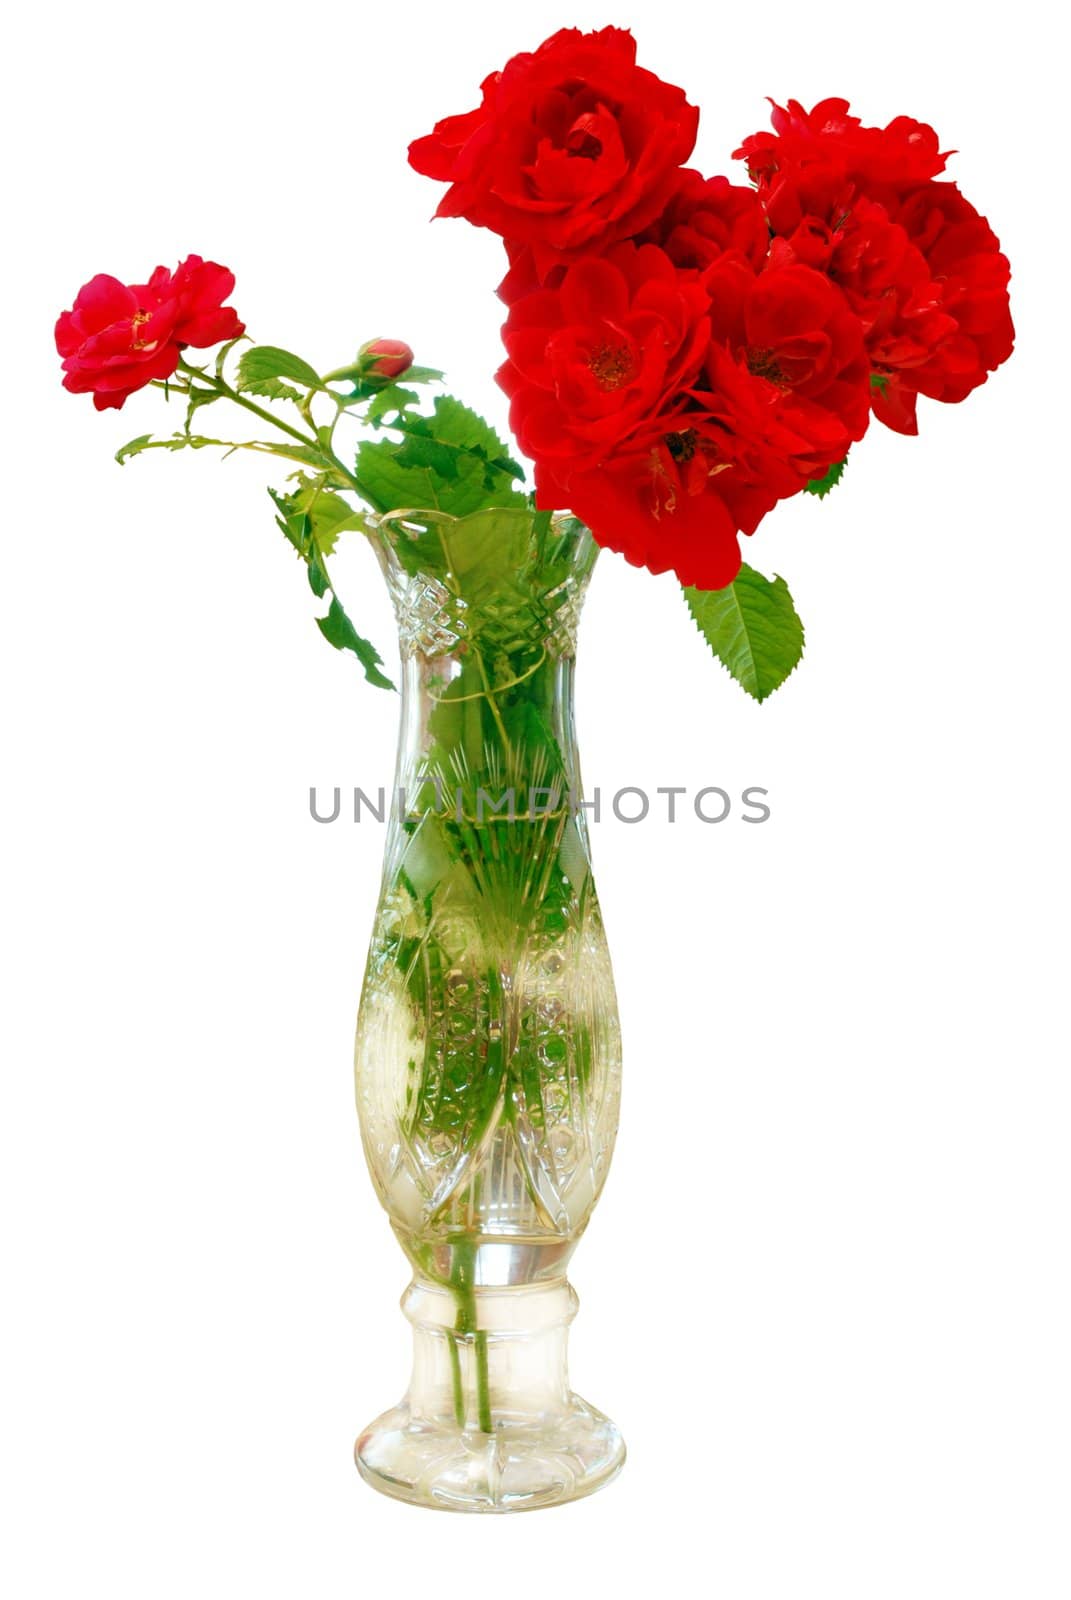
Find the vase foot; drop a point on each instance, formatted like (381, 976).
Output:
(517, 1467)
(490, 1422)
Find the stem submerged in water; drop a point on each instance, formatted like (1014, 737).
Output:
(464, 1289)
(483, 1385)
(457, 1382)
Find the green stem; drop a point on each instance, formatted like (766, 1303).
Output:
(477, 656)
(456, 1382)
(465, 1294)
(222, 387)
(495, 712)
(310, 441)
(483, 1385)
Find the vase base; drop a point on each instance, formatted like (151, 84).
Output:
(518, 1467)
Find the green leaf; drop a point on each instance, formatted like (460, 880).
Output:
(178, 441)
(133, 447)
(196, 399)
(339, 631)
(752, 628)
(821, 486)
(319, 582)
(487, 554)
(371, 385)
(225, 350)
(321, 513)
(415, 374)
(304, 453)
(265, 364)
(450, 461)
(389, 401)
(194, 441)
(272, 389)
(879, 381)
(311, 518)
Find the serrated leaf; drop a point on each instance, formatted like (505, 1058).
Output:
(132, 447)
(455, 425)
(323, 514)
(449, 461)
(387, 402)
(294, 524)
(272, 389)
(415, 374)
(829, 480)
(752, 627)
(339, 631)
(266, 362)
(178, 441)
(421, 450)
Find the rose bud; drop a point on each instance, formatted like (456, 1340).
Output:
(384, 358)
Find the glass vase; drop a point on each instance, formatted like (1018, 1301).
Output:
(488, 1047)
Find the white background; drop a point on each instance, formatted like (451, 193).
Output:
(825, 1294)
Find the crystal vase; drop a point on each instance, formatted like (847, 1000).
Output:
(488, 1046)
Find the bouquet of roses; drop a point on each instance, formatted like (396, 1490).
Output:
(682, 352)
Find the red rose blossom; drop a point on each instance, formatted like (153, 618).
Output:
(705, 217)
(920, 269)
(968, 284)
(929, 286)
(712, 463)
(648, 507)
(114, 342)
(117, 338)
(592, 360)
(573, 148)
(794, 329)
(811, 157)
(670, 407)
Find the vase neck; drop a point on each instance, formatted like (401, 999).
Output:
(513, 578)
(488, 608)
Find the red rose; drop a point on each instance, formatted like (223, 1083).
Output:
(113, 343)
(930, 286)
(573, 148)
(705, 217)
(715, 461)
(773, 439)
(812, 156)
(969, 277)
(522, 277)
(665, 440)
(118, 338)
(815, 168)
(917, 265)
(651, 509)
(592, 360)
(795, 332)
(199, 288)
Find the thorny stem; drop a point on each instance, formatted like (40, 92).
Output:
(310, 441)
(222, 387)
